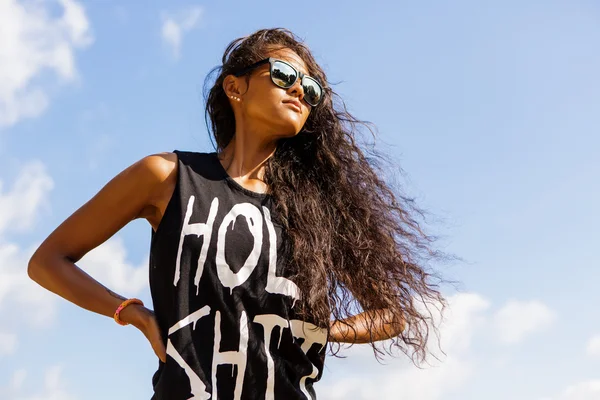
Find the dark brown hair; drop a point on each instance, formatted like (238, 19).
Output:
(354, 244)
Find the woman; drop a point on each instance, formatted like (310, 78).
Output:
(282, 242)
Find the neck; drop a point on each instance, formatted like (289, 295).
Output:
(245, 156)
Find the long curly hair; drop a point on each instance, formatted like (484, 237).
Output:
(354, 244)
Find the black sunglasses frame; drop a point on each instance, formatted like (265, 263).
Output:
(299, 75)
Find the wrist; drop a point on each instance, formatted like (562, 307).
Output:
(134, 314)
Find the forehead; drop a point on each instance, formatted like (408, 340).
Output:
(290, 56)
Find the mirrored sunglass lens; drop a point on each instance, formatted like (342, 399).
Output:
(283, 75)
(312, 91)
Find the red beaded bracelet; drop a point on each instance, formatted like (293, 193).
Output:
(122, 306)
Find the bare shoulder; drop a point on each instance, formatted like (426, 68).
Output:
(158, 173)
(160, 165)
(163, 168)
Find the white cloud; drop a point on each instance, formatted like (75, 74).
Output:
(517, 320)
(371, 380)
(21, 299)
(593, 347)
(589, 390)
(175, 26)
(412, 383)
(16, 382)
(19, 208)
(33, 42)
(8, 343)
(466, 328)
(54, 387)
(107, 263)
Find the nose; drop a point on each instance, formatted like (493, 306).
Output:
(297, 89)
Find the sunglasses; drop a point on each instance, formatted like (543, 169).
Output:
(285, 76)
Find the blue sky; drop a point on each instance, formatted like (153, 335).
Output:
(491, 108)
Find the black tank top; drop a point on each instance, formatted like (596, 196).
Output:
(221, 297)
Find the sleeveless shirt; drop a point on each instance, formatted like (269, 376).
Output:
(221, 294)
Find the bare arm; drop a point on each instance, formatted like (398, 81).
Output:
(368, 327)
(132, 194)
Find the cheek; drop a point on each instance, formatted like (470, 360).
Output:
(270, 100)
(265, 103)
(262, 99)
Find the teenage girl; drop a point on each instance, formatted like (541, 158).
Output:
(283, 241)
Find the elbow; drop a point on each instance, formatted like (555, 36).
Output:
(34, 267)
(38, 265)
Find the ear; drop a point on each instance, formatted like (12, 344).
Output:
(234, 86)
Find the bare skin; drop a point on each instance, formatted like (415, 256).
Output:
(142, 190)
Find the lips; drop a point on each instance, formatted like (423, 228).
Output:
(295, 103)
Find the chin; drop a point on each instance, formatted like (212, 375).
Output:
(284, 122)
(289, 128)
